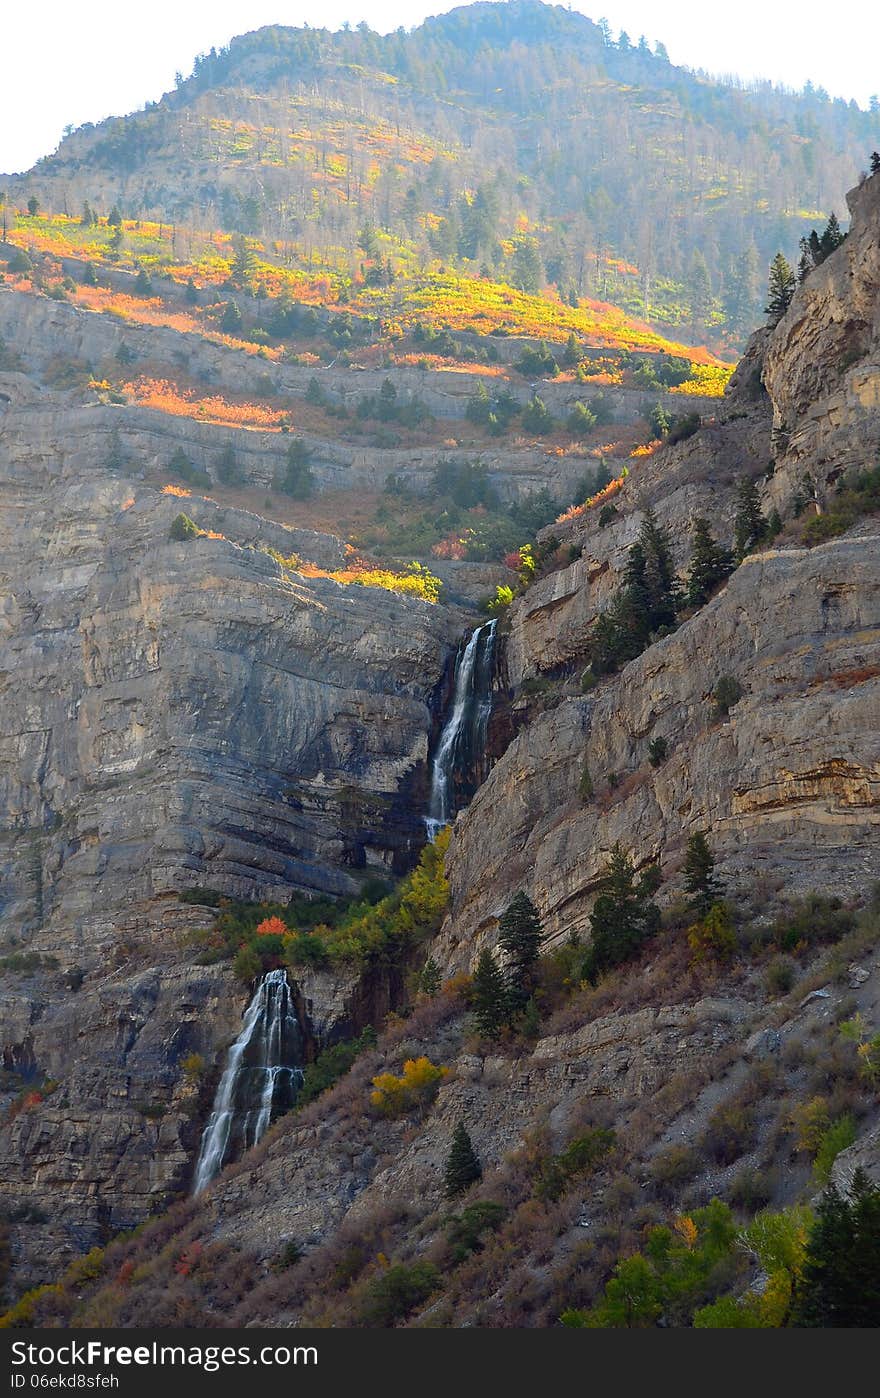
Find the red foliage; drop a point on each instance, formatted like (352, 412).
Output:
(272, 927)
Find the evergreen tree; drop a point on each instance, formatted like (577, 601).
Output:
(230, 321)
(89, 275)
(463, 1166)
(659, 573)
(749, 524)
(114, 218)
(142, 284)
(623, 915)
(520, 935)
(710, 564)
(296, 478)
(228, 469)
(840, 1285)
(429, 980)
(699, 875)
(781, 288)
(832, 237)
(875, 162)
(191, 293)
(489, 997)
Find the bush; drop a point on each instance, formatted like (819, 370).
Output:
(658, 751)
(727, 692)
(464, 1231)
(730, 1132)
(332, 1064)
(673, 1167)
(579, 1158)
(779, 976)
(685, 427)
(394, 1293)
(183, 528)
(414, 1090)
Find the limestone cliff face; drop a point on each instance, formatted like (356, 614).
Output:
(172, 714)
(822, 367)
(788, 784)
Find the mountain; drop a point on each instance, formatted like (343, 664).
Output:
(296, 564)
(519, 138)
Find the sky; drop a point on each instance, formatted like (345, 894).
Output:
(66, 64)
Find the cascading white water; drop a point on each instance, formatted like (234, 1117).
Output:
(463, 738)
(261, 1073)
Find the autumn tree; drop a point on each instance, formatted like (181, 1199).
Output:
(463, 1166)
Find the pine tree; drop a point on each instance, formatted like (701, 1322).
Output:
(749, 524)
(699, 875)
(832, 237)
(463, 1166)
(489, 997)
(659, 573)
(875, 162)
(230, 321)
(710, 564)
(429, 980)
(520, 935)
(623, 916)
(781, 288)
(840, 1284)
(142, 284)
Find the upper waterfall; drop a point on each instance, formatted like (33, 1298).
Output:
(463, 738)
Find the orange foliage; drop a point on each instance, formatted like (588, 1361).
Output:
(166, 397)
(272, 927)
(575, 510)
(175, 490)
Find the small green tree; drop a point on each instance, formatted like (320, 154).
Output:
(489, 997)
(749, 524)
(142, 283)
(709, 566)
(429, 980)
(230, 321)
(33, 206)
(623, 915)
(727, 692)
(183, 528)
(463, 1166)
(700, 879)
(228, 468)
(520, 934)
(781, 288)
(296, 479)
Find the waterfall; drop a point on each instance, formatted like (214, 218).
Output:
(260, 1074)
(463, 738)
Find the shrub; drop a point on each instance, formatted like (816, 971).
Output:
(673, 1167)
(414, 1090)
(730, 1132)
(464, 1231)
(579, 1158)
(193, 1066)
(713, 936)
(393, 1294)
(183, 528)
(658, 751)
(779, 976)
(727, 692)
(837, 1136)
(332, 1064)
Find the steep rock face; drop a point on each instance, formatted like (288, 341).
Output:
(173, 714)
(788, 785)
(822, 368)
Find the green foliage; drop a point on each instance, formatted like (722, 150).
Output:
(623, 916)
(700, 879)
(579, 1159)
(781, 288)
(683, 428)
(463, 1166)
(183, 469)
(331, 1064)
(645, 606)
(229, 469)
(429, 980)
(857, 495)
(391, 1295)
(537, 418)
(840, 1286)
(749, 523)
(814, 919)
(519, 937)
(658, 751)
(838, 1136)
(581, 421)
(489, 999)
(143, 286)
(710, 564)
(727, 692)
(295, 478)
(183, 528)
(713, 936)
(537, 362)
(464, 1231)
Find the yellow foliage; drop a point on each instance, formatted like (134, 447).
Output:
(393, 1096)
(686, 1230)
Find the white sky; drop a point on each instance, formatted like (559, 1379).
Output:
(66, 64)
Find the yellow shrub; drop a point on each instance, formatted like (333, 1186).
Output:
(393, 1096)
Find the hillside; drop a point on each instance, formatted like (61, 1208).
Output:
(516, 141)
(429, 703)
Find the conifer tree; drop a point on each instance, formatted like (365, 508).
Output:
(520, 934)
(875, 162)
(781, 288)
(710, 564)
(623, 915)
(840, 1284)
(700, 879)
(489, 997)
(463, 1166)
(749, 524)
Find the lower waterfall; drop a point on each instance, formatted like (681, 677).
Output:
(261, 1075)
